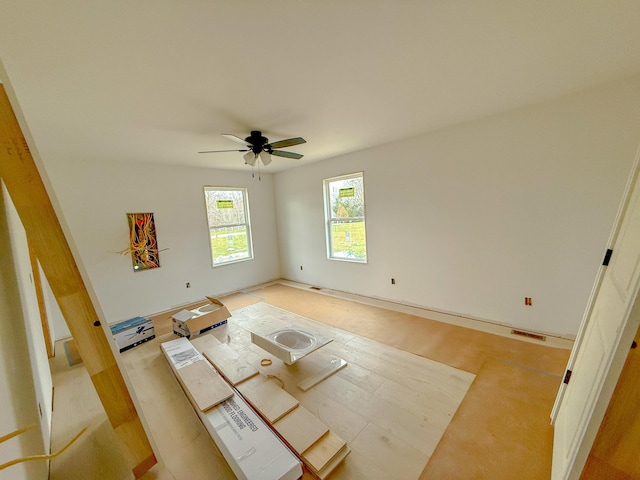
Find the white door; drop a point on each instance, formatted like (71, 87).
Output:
(598, 282)
(605, 344)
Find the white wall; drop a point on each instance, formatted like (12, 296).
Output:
(95, 198)
(473, 218)
(19, 394)
(469, 220)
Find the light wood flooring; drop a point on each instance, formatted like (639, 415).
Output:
(500, 430)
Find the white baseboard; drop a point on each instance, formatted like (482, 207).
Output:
(445, 317)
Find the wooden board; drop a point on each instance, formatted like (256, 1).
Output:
(300, 429)
(48, 243)
(204, 385)
(269, 399)
(323, 451)
(333, 463)
(44, 319)
(232, 367)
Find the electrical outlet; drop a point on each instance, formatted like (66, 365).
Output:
(300, 267)
(188, 285)
(528, 301)
(393, 281)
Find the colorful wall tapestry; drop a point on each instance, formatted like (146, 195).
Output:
(142, 241)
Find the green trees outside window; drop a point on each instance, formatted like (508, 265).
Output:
(229, 226)
(345, 217)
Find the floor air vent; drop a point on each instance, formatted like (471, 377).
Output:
(522, 333)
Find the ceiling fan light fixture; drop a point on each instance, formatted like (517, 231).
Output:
(258, 146)
(265, 157)
(250, 158)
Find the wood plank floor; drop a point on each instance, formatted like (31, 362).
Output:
(390, 406)
(501, 429)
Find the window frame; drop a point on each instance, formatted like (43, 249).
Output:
(330, 220)
(246, 224)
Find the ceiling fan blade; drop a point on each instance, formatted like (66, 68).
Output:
(219, 151)
(289, 142)
(282, 153)
(233, 138)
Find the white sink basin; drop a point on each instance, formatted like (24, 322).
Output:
(289, 344)
(293, 339)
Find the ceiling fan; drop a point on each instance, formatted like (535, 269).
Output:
(259, 146)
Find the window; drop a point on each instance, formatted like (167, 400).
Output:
(229, 227)
(344, 214)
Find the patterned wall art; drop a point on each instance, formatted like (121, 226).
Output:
(143, 243)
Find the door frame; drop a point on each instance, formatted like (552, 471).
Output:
(588, 428)
(626, 196)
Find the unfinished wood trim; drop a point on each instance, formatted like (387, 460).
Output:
(46, 237)
(44, 320)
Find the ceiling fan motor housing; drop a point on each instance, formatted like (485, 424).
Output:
(257, 141)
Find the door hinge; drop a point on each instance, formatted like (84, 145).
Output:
(607, 257)
(567, 377)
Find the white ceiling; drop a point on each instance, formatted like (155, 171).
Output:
(158, 81)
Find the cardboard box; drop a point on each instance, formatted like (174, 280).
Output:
(132, 332)
(191, 323)
(202, 384)
(250, 447)
(248, 444)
